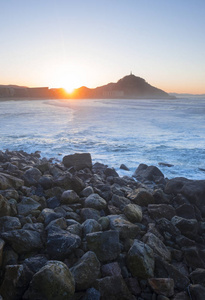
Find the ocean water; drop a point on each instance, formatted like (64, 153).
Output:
(113, 131)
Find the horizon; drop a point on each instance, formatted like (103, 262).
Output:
(61, 44)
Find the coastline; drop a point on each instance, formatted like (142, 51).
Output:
(104, 234)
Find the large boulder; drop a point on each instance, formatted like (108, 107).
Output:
(140, 260)
(141, 197)
(27, 205)
(125, 228)
(8, 223)
(157, 211)
(188, 227)
(32, 176)
(133, 212)
(105, 244)
(78, 160)
(69, 197)
(157, 246)
(95, 201)
(151, 173)
(86, 271)
(9, 181)
(54, 281)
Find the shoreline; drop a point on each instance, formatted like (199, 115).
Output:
(97, 233)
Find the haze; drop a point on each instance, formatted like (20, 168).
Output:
(75, 43)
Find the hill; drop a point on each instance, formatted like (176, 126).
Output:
(129, 87)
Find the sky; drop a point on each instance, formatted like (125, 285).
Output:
(73, 43)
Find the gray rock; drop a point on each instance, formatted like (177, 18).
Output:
(157, 246)
(32, 176)
(124, 167)
(87, 191)
(23, 241)
(2, 243)
(141, 197)
(90, 226)
(111, 269)
(90, 213)
(78, 160)
(133, 212)
(150, 173)
(105, 244)
(188, 227)
(95, 201)
(104, 222)
(9, 223)
(140, 260)
(198, 276)
(69, 197)
(8, 181)
(157, 211)
(27, 205)
(5, 209)
(125, 228)
(52, 282)
(86, 271)
(120, 202)
(197, 292)
(162, 286)
(60, 243)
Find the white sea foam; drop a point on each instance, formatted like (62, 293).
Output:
(113, 131)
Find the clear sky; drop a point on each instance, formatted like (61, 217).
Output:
(70, 43)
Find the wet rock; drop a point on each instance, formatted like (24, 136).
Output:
(78, 160)
(111, 172)
(5, 209)
(124, 167)
(52, 282)
(105, 244)
(96, 202)
(157, 246)
(140, 260)
(162, 286)
(150, 173)
(86, 271)
(141, 197)
(157, 211)
(27, 205)
(23, 241)
(133, 212)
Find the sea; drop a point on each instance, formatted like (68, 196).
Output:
(114, 131)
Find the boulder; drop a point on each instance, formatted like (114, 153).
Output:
(140, 260)
(188, 227)
(157, 246)
(96, 202)
(125, 228)
(8, 223)
(90, 213)
(119, 201)
(141, 197)
(197, 292)
(54, 281)
(2, 243)
(151, 173)
(23, 241)
(124, 167)
(69, 197)
(105, 244)
(111, 269)
(198, 276)
(78, 160)
(162, 286)
(5, 209)
(32, 176)
(9, 181)
(86, 271)
(133, 212)
(157, 211)
(27, 205)
(90, 226)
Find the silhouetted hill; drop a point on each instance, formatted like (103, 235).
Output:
(129, 87)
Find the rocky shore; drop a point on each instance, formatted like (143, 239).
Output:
(76, 230)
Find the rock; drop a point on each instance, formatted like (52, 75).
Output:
(23, 241)
(150, 173)
(105, 244)
(123, 167)
(157, 211)
(181, 296)
(78, 160)
(86, 271)
(157, 246)
(69, 197)
(46, 181)
(111, 269)
(193, 190)
(27, 205)
(140, 260)
(198, 276)
(104, 223)
(125, 228)
(2, 243)
(90, 226)
(133, 212)
(165, 164)
(165, 225)
(92, 294)
(96, 202)
(32, 176)
(47, 215)
(53, 202)
(120, 202)
(8, 223)
(197, 292)
(111, 172)
(52, 282)
(162, 286)
(8, 181)
(113, 287)
(141, 197)
(89, 213)
(14, 283)
(77, 184)
(186, 211)
(5, 209)
(188, 227)
(193, 258)
(60, 243)
(87, 191)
